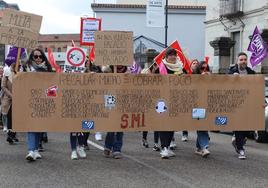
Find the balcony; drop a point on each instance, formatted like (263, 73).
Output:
(231, 8)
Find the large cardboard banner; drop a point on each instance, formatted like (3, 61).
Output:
(125, 102)
(20, 29)
(113, 48)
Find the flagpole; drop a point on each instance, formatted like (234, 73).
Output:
(18, 60)
(166, 23)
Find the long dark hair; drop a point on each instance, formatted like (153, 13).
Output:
(44, 58)
(201, 66)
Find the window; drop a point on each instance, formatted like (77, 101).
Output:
(231, 8)
(236, 48)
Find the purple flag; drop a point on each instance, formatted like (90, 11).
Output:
(135, 68)
(12, 55)
(257, 47)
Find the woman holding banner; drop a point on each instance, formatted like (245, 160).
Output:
(151, 70)
(113, 140)
(6, 102)
(169, 65)
(202, 140)
(37, 62)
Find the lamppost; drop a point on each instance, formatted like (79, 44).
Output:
(166, 23)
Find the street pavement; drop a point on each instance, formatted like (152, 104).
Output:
(140, 167)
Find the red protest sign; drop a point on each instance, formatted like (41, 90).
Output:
(87, 29)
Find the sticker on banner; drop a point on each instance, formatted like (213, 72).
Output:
(161, 107)
(87, 125)
(52, 91)
(110, 101)
(221, 121)
(199, 113)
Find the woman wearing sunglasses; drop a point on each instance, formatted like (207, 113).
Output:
(37, 62)
(202, 140)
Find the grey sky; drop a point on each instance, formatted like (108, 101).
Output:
(59, 16)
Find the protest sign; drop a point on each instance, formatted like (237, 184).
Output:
(75, 60)
(20, 29)
(126, 102)
(87, 30)
(113, 48)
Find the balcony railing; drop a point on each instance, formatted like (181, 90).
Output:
(231, 8)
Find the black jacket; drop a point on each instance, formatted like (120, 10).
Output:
(234, 69)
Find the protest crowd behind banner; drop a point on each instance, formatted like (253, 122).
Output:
(60, 102)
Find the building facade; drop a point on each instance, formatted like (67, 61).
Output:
(170, 2)
(58, 44)
(229, 27)
(185, 24)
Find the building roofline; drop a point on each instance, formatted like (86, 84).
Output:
(130, 6)
(59, 37)
(150, 39)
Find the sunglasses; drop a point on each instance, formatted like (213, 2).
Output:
(38, 56)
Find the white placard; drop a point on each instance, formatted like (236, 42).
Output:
(155, 13)
(75, 59)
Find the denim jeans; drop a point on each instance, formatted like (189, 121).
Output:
(202, 140)
(74, 137)
(33, 140)
(7, 119)
(114, 141)
(4, 120)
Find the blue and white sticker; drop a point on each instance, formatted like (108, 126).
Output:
(199, 113)
(87, 125)
(221, 121)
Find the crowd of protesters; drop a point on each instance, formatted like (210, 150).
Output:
(113, 141)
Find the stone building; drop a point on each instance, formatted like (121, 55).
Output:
(229, 26)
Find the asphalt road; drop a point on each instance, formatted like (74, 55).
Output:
(139, 167)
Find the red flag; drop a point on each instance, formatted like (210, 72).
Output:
(206, 59)
(52, 61)
(92, 54)
(175, 45)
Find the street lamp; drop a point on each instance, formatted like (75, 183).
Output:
(166, 23)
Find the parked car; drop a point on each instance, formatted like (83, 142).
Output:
(262, 136)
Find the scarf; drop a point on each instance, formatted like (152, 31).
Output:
(176, 68)
(39, 68)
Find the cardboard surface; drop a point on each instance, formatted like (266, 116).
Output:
(14, 37)
(124, 102)
(113, 48)
(20, 29)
